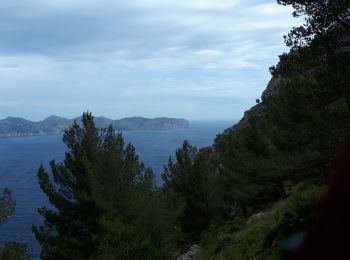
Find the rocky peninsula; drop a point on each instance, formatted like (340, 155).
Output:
(16, 126)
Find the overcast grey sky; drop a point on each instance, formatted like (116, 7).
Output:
(198, 59)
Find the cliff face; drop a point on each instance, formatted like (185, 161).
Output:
(278, 82)
(273, 88)
(13, 126)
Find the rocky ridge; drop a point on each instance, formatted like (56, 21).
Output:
(273, 88)
(15, 126)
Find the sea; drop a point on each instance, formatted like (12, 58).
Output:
(20, 158)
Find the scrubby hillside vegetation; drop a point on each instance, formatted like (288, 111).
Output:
(263, 176)
(274, 161)
(249, 196)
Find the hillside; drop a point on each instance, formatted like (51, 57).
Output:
(273, 163)
(14, 126)
(254, 193)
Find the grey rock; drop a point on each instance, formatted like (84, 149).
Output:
(256, 218)
(191, 253)
(273, 87)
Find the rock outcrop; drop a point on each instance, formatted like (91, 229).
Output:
(273, 88)
(193, 252)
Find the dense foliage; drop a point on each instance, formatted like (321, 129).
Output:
(7, 205)
(321, 17)
(190, 188)
(14, 251)
(10, 250)
(267, 169)
(100, 193)
(285, 144)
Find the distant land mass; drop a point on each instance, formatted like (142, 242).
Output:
(16, 126)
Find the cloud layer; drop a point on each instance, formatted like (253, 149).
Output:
(199, 59)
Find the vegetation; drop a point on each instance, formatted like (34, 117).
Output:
(190, 189)
(7, 205)
(271, 164)
(14, 251)
(101, 193)
(10, 250)
(322, 16)
(243, 198)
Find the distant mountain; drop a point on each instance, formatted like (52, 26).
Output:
(16, 126)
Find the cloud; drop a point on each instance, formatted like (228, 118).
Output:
(96, 53)
(212, 4)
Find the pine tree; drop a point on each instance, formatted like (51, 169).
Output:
(89, 193)
(189, 186)
(321, 16)
(10, 250)
(7, 205)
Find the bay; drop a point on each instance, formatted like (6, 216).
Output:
(20, 158)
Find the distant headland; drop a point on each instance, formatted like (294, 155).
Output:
(16, 126)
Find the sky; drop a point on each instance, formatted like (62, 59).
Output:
(194, 59)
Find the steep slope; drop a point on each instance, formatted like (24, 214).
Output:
(274, 161)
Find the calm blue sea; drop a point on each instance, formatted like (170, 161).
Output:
(20, 158)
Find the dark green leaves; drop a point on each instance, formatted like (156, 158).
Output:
(320, 17)
(92, 193)
(7, 205)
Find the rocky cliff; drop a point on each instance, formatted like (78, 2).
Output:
(273, 88)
